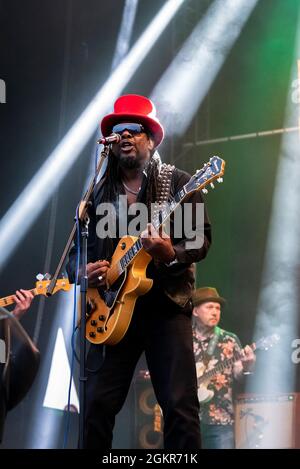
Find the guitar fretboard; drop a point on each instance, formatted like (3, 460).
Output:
(9, 300)
(220, 367)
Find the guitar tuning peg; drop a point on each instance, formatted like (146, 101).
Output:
(212, 185)
(47, 276)
(205, 191)
(220, 180)
(39, 277)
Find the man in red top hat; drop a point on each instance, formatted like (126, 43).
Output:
(161, 322)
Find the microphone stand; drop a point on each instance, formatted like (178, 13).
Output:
(83, 222)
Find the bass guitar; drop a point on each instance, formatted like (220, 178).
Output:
(39, 289)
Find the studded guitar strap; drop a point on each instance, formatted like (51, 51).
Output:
(164, 185)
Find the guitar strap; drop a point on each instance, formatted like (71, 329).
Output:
(163, 189)
(208, 354)
(177, 284)
(164, 183)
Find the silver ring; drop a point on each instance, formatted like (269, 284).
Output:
(100, 278)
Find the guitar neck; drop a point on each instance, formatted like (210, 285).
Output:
(9, 300)
(219, 367)
(209, 172)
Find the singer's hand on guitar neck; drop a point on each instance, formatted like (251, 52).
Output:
(158, 244)
(96, 272)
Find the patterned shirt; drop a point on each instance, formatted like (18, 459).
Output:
(219, 410)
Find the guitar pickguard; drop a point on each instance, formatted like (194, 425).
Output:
(109, 296)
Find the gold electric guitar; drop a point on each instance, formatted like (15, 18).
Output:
(40, 289)
(205, 377)
(109, 311)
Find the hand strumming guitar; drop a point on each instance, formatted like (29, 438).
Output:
(96, 272)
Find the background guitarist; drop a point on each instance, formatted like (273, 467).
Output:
(161, 322)
(213, 345)
(22, 299)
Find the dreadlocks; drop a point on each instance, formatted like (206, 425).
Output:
(113, 180)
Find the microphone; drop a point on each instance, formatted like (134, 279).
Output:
(112, 138)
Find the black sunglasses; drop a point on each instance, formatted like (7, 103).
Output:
(132, 127)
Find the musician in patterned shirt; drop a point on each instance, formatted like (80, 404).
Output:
(219, 353)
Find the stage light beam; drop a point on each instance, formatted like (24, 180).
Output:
(278, 304)
(24, 211)
(181, 90)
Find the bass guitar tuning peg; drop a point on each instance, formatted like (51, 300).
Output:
(39, 277)
(220, 180)
(205, 191)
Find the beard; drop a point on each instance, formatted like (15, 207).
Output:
(128, 162)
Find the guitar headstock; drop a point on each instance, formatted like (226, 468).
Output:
(212, 170)
(61, 284)
(267, 342)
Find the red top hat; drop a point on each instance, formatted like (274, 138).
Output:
(134, 108)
